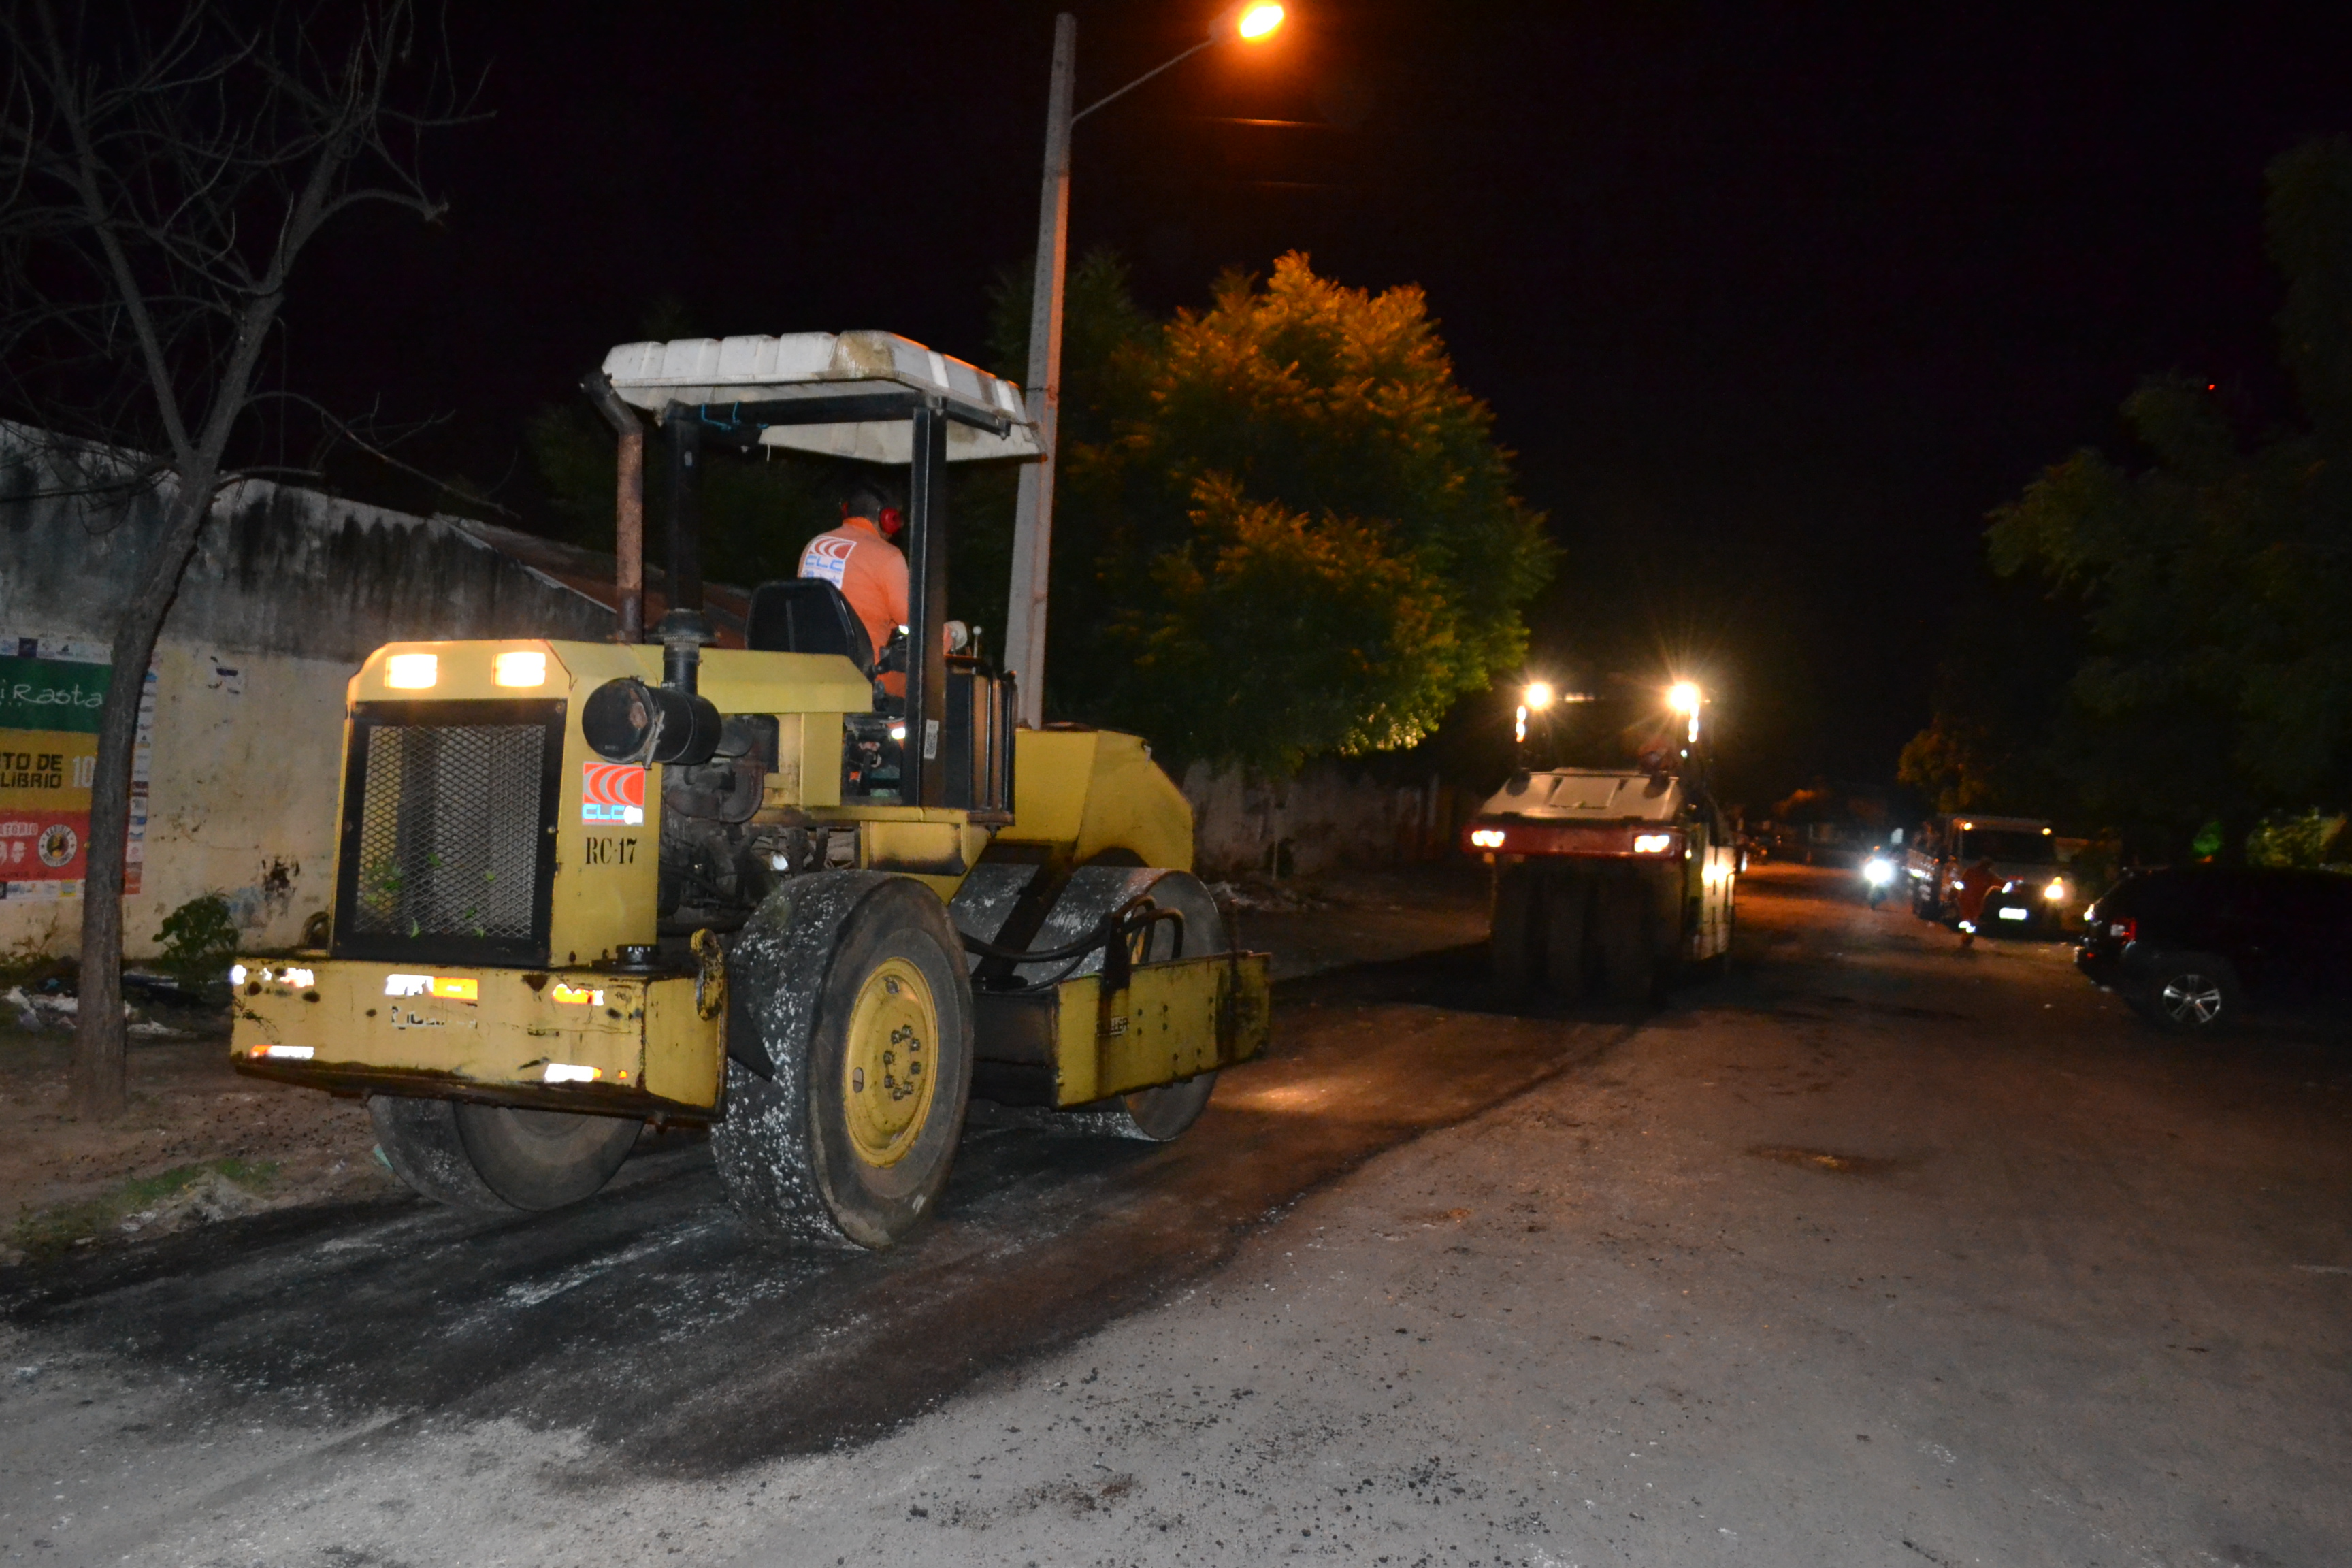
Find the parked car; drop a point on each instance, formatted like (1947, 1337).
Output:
(2188, 946)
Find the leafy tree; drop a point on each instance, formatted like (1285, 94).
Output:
(2213, 585)
(1297, 528)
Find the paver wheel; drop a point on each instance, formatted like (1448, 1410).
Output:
(1159, 1114)
(494, 1157)
(849, 1040)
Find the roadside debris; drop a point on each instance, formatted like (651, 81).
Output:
(43, 1009)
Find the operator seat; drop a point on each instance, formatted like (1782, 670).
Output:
(807, 614)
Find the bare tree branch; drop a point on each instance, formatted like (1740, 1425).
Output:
(163, 174)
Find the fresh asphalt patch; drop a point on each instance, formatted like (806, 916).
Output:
(681, 1342)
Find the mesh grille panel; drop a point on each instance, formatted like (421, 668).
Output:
(449, 832)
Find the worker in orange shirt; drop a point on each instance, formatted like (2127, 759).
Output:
(860, 559)
(1976, 886)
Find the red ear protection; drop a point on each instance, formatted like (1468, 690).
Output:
(890, 521)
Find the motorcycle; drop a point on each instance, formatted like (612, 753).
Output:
(1878, 871)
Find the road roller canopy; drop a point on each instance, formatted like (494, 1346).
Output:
(1588, 794)
(844, 394)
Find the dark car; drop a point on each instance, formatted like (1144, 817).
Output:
(2189, 945)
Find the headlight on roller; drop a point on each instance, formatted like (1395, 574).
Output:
(1653, 843)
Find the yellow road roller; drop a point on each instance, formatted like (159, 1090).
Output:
(769, 889)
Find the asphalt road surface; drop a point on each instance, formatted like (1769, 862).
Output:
(1870, 1252)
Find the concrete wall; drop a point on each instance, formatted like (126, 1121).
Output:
(1328, 817)
(289, 591)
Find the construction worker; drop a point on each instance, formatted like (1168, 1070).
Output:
(860, 559)
(1977, 884)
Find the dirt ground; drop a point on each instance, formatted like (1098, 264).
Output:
(196, 1132)
(203, 1143)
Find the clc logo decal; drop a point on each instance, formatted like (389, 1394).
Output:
(612, 792)
(827, 558)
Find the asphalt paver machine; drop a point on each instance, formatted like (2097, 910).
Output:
(583, 887)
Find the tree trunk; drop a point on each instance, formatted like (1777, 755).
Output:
(100, 1089)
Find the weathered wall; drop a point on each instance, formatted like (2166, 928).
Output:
(1328, 818)
(279, 570)
(289, 592)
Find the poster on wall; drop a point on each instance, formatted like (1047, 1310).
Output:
(52, 691)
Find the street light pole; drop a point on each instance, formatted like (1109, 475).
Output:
(1032, 526)
(1032, 516)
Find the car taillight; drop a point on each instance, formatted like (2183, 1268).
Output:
(2126, 929)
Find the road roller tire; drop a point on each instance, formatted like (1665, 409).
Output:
(496, 1157)
(1158, 1115)
(849, 989)
(543, 1159)
(418, 1139)
(1515, 945)
(1568, 904)
(1629, 963)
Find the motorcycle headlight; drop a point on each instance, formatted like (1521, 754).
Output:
(1877, 872)
(2056, 891)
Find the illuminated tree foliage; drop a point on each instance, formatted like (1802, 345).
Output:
(1284, 529)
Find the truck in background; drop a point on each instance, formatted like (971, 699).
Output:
(2033, 893)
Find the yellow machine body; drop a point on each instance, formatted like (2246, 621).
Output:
(585, 1030)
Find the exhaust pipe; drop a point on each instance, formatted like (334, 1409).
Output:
(625, 720)
(684, 629)
(628, 505)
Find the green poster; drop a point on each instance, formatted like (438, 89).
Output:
(51, 694)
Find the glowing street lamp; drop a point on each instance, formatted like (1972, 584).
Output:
(1684, 696)
(1246, 22)
(1537, 696)
(1251, 23)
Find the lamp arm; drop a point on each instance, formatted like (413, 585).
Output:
(1139, 82)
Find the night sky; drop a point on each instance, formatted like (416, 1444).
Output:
(1774, 302)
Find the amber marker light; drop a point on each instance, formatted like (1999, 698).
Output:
(522, 666)
(411, 671)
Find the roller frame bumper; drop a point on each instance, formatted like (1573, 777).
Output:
(656, 1043)
(1173, 1020)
